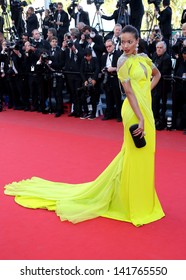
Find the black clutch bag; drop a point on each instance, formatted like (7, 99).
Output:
(139, 142)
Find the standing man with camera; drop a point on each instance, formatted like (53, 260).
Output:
(80, 15)
(57, 81)
(11, 58)
(72, 68)
(136, 13)
(163, 62)
(110, 81)
(61, 22)
(31, 21)
(32, 60)
(165, 17)
(89, 73)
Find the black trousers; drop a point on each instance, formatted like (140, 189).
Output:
(92, 93)
(113, 97)
(15, 90)
(57, 85)
(74, 83)
(39, 86)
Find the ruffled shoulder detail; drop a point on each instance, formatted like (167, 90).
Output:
(147, 59)
(121, 60)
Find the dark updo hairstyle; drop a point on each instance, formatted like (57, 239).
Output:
(131, 29)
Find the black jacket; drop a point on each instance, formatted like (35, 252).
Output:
(116, 55)
(31, 24)
(165, 19)
(83, 16)
(89, 69)
(64, 19)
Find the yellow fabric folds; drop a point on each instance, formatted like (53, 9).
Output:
(125, 189)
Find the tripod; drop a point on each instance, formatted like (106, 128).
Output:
(150, 23)
(123, 16)
(99, 25)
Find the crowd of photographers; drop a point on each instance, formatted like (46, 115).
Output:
(40, 66)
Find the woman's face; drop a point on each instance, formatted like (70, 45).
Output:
(129, 43)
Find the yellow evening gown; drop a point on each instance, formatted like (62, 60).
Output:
(125, 190)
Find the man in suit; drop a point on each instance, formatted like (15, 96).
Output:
(115, 35)
(12, 68)
(80, 15)
(89, 73)
(72, 68)
(61, 22)
(165, 17)
(31, 21)
(57, 81)
(137, 12)
(163, 62)
(94, 41)
(120, 15)
(110, 81)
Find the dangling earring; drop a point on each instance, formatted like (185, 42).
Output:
(137, 48)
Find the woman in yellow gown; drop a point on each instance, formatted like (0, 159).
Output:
(125, 190)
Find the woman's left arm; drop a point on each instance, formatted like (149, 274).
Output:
(156, 75)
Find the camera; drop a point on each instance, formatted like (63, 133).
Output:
(13, 45)
(122, 3)
(156, 3)
(53, 7)
(18, 4)
(32, 42)
(39, 10)
(105, 72)
(87, 36)
(97, 3)
(157, 36)
(89, 85)
(70, 43)
(74, 3)
(44, 57)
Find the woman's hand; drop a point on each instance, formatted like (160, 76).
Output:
(140, 129)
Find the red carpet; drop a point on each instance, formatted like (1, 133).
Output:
(73, 150)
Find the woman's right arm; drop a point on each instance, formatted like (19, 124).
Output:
(156, 75)
(135, 106)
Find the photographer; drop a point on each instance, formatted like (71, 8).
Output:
(72, 67)
(94, 41)
(47, 23)
(162, 61)
(61, 22)
(80, 15)
(110, 81)
(179, 98)
(154, 38)
(33, 50)
(31, 21)
(120, 15)
(178, 46)
(12, 69)
(57, 82)
(136, 13)
(165, 17)
(16, 8)
(89, 73)
(115, 36)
